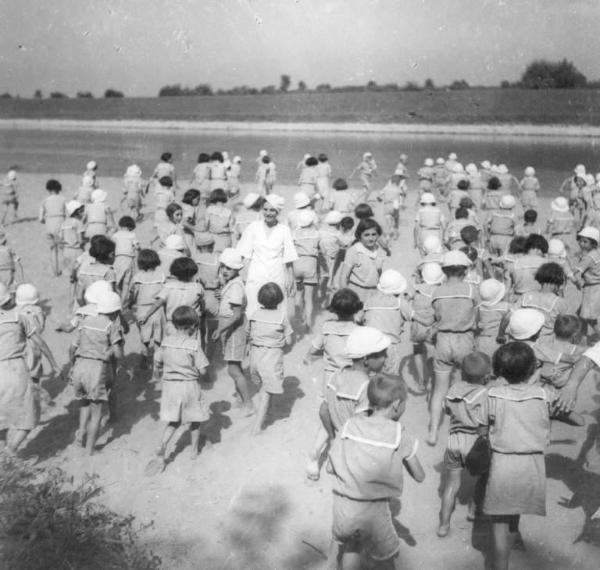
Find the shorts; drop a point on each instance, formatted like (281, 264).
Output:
(181, 401)
(234, 344)
(134, 202)
(363, 292)
(53, 227)
(529, 199)
(419, 333)
(95, 229)
(266, 368)
(305, 270)
(153, 330)
(91, 379)
(392, 360)
(459, 444)
(211, 304)
(19, 396)
(590, 302)
(365, 526)
(499, 244)
(450, 349)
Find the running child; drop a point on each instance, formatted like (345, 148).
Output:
(134, 189)
(126, 249)
(8, 261)
(587, 275)
(10, 197)
(530, 186)
(99, 216)
(97, 267)
(52, 214)
(72, 235)
(219, 220)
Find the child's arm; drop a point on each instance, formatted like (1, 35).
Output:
(157, 305)
(501, 338)
(325, 417)
(226, 323)
(37, 340)
(414, 468)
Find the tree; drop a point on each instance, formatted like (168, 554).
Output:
(412, 86)
(38, 94)
(6, 95)
(301, 86)
(429, 85)
(371, 86)
(268, 90)
(58, 95)
(323, 87)
(457, 85)
(202, 89)
(284, 83)
(112, 93)
(542, 74)
(84, 95)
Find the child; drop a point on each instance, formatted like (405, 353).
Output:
(346, 233)
(91, 170)
(367, 169)
(456, 195)
(429, 221)
(219, 220)
(425, 176)
(466, 406)
(98, 267)
(452, 238)
(530, 186)
(231, 327)
(493, 194)
(217, 171)
(10, 196)
(302, 203)
(164, 169)
(99, 217)
(587, 275)
(163, 196)
(524, 268)
(393, 197)
(126, 248)
(387, 310)
(52, 214)
(200, 178)
(474, 274)
(98, 347)
(530, 225)
(172, 225)
(180, 363)
(8, 262)
(133, 190)
(233, 180)
(433, 251)
(475, 185)
(454, 305)
(367, 462)
(208, 275)
(306, 240)
(72, 234)
(363, 262)
(342, 200)
(308, 177)
(330, 246)
(269, 332)
(193, 216)
(501, 225)
(490, 314)
(146, 285)
(253, 203)
(323, 177)
(561, 223)
(174, 249)
(266, 176)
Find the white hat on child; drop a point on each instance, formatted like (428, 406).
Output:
(237, 159)
(458, 168)
(87, 180)
(486, 165)
(440, 160)
(108, 303)
(560, 204)
(579, 170)
(96, 290)
(26, 294)
(306, 218)
(99, 195)
(508, 202)
(367, 155)
(432, 273)
(556, 248)
(175, 242)
(524, 323)
(263, 153)
(589, 179)
(4, 294)
(428, 162)
(91, 165)
(332, 218)
(392, 282)
(363, 341)
(530, 171)
(72, 206)
(301, 200)
(452, 156)
(11, 175)
(427, 198)
(471, 168)
(276, 202)
(502, 169)
(590, 233)
(230, 257)
(491, 292)
(455, 257)
(134, 170)
(250, 199)
(432, 244)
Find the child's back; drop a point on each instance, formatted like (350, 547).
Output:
(332, 341)
(346, 395)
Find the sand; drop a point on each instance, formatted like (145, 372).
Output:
(245, 503)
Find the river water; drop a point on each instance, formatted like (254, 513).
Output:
(58, 152)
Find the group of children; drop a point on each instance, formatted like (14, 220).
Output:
(486, 302)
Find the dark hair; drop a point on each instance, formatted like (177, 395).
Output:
(494, 183)
(536, 241)
(101, 249)
(345, 303)
(551, 273)
(190, 195)
(217, 195)
(260, 201)
(461, 213)
(266, 160)
(183, 268)
(466, 202)
(311, 161)
(455, 270)
(270, 295)
(53, 185)
(127, 222)
(365, 225)
(530, 216)
(567, 326)
(340, 184)
(470, 252)
(322, 157)
(79, 210)
(166, 181)
(469, 234)
(203, 157)
(514, 361)
(475, 367)
(518, 244)
(217, 156)
(184, 317)
(147, 260)
(463, 184)
(172, 208)
(363, 211)
(347, 223)
(166, 156)
(384, 390)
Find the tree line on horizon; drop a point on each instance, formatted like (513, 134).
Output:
(539, 74)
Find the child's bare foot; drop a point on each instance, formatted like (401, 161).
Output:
(432, 438)
(194, 453)
(79, 438)
(443, 530)
(312, 470)
(246, 410)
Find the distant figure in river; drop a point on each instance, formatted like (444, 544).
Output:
(266, 175)
(367, 170)
(10, 197)
(164, 168)
(200, 179)
(91, 169)
(323, 177)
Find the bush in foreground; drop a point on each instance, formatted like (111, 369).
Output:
(46, 522)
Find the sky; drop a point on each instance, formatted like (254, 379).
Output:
(138, 46)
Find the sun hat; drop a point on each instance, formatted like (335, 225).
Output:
(458, 168)
(494, 169)
(590, 233)
(250, 199)
(560, 204)
(26, 294)
(87, 180)
(72, 206)
(134, 170)
(432, 244)
(11, 174)
(556, 248)
(427, 198)
(367, 154)
(579, 170)
(275, 201)
(175, 242)
(524, 323)
(440, 160)
(432, 273)
(306, 218)
(597, 176)
(589, 179)
(204, 239)
(502, 169)
(108, 303)
(91, 165)
(491, 292)
(455, 257)
(263, 153)
(333, 218)
(95, 291)
(428, 162)
(231, 257)
(507, 202)
(485, 164)
(471, 168)
(363, 341)
(452, 156)
(237, 159)
(301, 200)
(99, 195)
(392, 282)
(4, 294)
(530, 171)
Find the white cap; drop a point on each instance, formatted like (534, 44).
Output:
(427, 198)
(458, 168)
(307, 155)
(250, 199)
(507, 202)
(237, 159)
(231, 257)
(485, 164)
(301, 200)
(27, 294)
(276, 201)
(455, 257)
(452, 156)
(597, 176)
(403, 157)
(530, 171)
(108, 303)
(72, 206)
(306, 218)
(579, 170)
(99, 195)
(91, 165)
(363, 341)
(432, 273)
(4, 294)
(502, 169)
(367, 155)
(556, 248)
(491, 292)
(392, 282)
(87, 180)
(560, 204)
(432, 244)
(440, 160)
(428, 162)
(494, 168)
(134, 170)
(175, 242)
(95, 291)
(524, 323)
(11, 174)
(589, 179)
(471, 168)
(332, 218)
(263, 153)
(590, 233)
